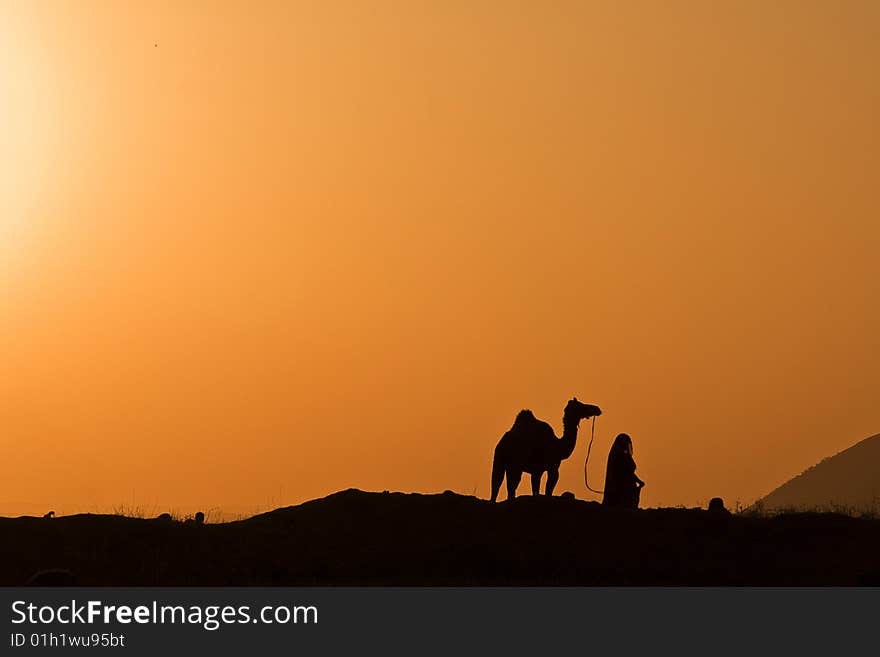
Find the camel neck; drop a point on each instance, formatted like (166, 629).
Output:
(569, 437)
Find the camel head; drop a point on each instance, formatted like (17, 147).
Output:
(576, 411)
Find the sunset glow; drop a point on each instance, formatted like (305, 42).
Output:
(261, 253)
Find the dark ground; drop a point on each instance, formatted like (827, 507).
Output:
(357, 538)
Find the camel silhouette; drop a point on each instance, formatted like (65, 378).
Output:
(532, 446)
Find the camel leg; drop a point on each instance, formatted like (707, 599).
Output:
(536, 483)
(552, 478)
(513, 477)
(497, 478)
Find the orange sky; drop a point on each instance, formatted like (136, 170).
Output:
(253, 253)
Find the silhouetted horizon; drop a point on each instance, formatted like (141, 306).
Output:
(358, 538)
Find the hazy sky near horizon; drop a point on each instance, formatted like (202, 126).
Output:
(255, 252)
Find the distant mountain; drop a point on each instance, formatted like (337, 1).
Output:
(848, 481)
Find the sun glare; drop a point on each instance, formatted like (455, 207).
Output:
(23, 138)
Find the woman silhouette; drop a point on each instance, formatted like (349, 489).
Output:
(622, 486)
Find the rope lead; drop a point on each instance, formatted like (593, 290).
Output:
(587, 460)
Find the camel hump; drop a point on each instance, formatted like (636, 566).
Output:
(525, 416)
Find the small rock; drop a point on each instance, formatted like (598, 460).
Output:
(52, 577)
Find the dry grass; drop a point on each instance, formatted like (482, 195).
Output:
(760, 510)
(214, 515)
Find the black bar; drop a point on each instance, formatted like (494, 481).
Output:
(450, 621)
